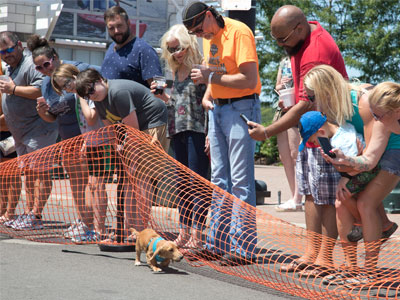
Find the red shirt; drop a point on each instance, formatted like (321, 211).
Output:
(319, 48)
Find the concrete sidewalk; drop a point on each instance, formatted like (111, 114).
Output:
(275, 178)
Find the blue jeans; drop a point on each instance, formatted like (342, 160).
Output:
(189, 150)
(233, 226)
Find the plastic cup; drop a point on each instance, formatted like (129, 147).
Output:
(200, 67)
(5, 78)
(160, 82)
(287, 96)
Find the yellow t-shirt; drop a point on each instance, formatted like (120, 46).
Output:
(231, 47)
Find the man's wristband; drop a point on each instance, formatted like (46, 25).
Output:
(13, 92)
(210, 77)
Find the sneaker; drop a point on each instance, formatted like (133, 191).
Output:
(29, 222)
(355, 234)
(10, 222)
(88, 236)
(289, 206)
(76, 229)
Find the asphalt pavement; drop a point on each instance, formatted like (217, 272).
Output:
(30, 270)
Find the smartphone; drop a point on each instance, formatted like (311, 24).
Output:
(169, 83)
(246, 120)
(326, 146)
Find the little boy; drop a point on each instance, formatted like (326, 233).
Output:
(313, 124)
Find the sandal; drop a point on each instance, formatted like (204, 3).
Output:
(293, 266)
(316, 271)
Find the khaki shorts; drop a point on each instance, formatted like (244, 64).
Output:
(159, 134)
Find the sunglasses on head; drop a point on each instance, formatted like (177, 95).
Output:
(45, 65)
(67, 83)
(90, 91)
(8, 50)
(176, 49)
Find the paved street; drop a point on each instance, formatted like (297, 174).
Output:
(31, 270)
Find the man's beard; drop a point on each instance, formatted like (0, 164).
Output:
(291, 51)
(123, 38)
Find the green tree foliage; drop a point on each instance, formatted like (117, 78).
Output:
(366, 31)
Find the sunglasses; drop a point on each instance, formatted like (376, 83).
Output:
(45, 65)
(8, 50)
(376, 117)
(90, 91)
(283, 40)
(175, 49)
(311, 98)
(67, 84)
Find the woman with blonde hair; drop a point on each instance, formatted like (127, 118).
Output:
(356, 104)
(186, 126)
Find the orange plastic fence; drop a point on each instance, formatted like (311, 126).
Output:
(115, 178)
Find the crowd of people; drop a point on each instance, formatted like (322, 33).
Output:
(201, 116)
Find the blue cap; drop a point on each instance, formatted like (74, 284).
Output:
(310, 122)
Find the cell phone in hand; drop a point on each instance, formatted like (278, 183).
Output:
(169, 83)
(246, 120)
(326, 146)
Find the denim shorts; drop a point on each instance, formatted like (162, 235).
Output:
(316, 177)
(390, 161)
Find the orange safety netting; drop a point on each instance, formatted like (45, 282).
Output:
(116, 178)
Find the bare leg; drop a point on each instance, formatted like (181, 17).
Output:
(345, 222)
(368, 203)
(294, 141)
(78, 177)
(99, 203)
(43, 186)
(313, 214)
(329, 236)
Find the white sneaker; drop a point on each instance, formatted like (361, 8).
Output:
(76, 229)
(289, 206)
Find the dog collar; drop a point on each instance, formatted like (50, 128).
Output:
(156, 240)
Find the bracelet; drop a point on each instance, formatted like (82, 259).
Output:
(265, 133)
(13, 92)
(210, 77)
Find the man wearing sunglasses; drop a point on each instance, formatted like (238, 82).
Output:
(233, 88)
(308, 45)
(29, 131)
(128, 57)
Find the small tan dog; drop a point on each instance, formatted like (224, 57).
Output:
(157, 249)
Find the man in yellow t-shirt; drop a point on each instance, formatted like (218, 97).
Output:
(231, 72)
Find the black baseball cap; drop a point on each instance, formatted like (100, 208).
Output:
(194, 13)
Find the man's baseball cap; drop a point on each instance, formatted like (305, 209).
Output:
(309, 124)
(194, 13)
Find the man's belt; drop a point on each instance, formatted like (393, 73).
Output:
(220, 101)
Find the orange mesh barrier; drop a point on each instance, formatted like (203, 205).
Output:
(115, 178)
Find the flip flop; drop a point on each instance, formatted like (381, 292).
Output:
(293, 266)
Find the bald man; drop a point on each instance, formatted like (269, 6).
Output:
(308, 45)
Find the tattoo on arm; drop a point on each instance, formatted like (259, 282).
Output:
(360, 163)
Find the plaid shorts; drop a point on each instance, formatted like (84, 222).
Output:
(316, 177)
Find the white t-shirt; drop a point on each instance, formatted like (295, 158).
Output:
(345, 139)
